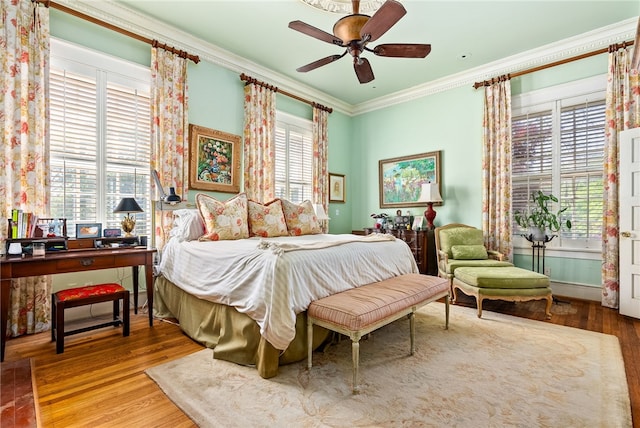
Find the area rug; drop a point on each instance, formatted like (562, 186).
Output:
(492, 372)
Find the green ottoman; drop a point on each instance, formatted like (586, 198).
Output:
(502, 283)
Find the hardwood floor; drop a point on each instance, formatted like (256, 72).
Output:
(99, 380)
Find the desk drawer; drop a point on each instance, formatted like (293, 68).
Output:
(102, 262)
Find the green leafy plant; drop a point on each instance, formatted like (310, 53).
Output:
(540, 215)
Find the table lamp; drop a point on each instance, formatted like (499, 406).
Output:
(321, 215)
(128, 206)
(430, 193)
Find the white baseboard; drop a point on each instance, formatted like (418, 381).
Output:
(576, 291)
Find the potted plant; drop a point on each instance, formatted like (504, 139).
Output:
(539, 219)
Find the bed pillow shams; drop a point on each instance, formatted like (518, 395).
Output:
(223, 220)
(187, 225)
(301, 219)
(267, 220)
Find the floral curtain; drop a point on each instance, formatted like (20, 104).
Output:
(24, 184)
(259, 142)
(622, 112)
(320, 160)
(169, 130)
(496, 167)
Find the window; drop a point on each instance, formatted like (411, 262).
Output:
(99, 137)
(558, 147)
(294, 158)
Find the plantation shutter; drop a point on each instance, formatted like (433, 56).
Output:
(532, 157)
(294, 160)
(73, 147)
(100, 139)
(581, 157)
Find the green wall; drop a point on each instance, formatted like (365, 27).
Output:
(449, 121)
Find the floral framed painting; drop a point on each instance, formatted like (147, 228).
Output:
(401, 179)
(214, 160)
(336, 187)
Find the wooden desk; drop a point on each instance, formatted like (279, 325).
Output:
(74, 261)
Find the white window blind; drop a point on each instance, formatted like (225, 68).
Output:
(294, 158)
(99, 139)
(558, 147)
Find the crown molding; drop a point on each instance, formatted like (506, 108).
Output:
(135, 22)
(562, 49)
(131, 20)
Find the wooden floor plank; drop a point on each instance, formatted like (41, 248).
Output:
(99, 380)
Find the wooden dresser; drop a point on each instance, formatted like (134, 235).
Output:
(422, 244)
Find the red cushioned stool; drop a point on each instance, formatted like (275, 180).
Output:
(87, 295)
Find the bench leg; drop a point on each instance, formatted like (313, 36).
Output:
(125, 314)
(355, 355)
(412, 331)
(53, 318)
(548, 308)
(479, 303)
(59, 328)
(446, 312)
(309, 342)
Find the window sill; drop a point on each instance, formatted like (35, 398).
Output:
(564, 252)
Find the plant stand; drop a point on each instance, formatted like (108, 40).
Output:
(538, 248)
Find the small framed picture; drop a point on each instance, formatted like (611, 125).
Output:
(112, 233)
(88, 230)
(336, 187)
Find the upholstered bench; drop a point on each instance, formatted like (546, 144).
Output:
(504, 283)
(359, 311)
(87, 295)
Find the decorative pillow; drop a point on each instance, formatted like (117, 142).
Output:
(459, 236)
(223, 220)
(301, 219)
(469, 252)
(187, 225)
(267, 220)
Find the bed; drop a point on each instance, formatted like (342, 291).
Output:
(246, 298)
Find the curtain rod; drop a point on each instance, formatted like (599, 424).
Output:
(154, 43)
(249, 79)
(553, 64)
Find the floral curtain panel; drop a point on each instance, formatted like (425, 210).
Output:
(622, 112)
(259, 142)
(24, 183)
(320, 160)
(496, 167)
(169, 130)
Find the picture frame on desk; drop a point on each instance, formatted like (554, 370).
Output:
(88, 230)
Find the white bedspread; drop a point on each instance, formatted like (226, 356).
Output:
(273, 286)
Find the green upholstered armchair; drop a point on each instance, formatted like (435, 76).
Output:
(459, 245)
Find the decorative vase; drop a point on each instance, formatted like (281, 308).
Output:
(537, 233)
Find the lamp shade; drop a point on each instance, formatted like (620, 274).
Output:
(128, 205)
(430, 193)
(320, 213)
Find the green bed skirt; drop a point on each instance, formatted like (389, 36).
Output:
(232, 335)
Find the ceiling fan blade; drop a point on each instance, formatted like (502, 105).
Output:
(317, 33)
(319, 63)
(363, 70)
(402, 50)
(384, 18)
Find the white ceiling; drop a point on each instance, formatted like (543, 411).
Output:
(464, 35)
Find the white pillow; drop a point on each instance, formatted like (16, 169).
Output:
(187, 225)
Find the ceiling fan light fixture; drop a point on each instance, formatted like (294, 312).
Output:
(348, 28)
(344, 6)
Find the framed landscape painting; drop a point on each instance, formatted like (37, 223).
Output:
(214, 160)
(401, 179)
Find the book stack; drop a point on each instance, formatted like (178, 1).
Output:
(22, 224)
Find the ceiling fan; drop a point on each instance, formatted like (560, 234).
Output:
(355, 31)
